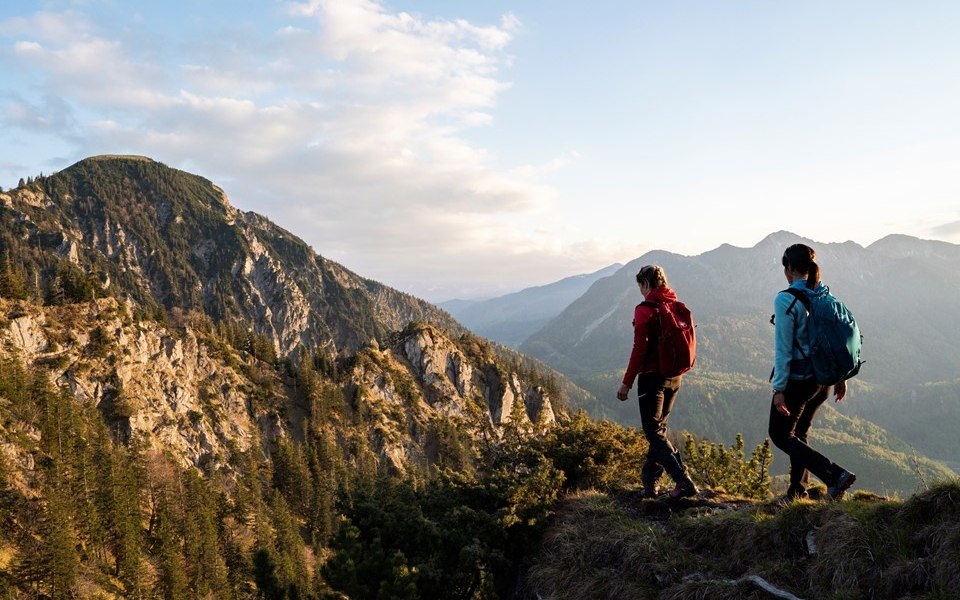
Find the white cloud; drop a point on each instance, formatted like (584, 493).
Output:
(345, 126)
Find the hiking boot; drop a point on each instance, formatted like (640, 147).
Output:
(844, 480)
(795, 493)
(649, 476)
(684, 489)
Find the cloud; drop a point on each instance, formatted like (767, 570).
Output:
(49, 114)
(345, 125)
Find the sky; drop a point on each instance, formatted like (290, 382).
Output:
(471, 149)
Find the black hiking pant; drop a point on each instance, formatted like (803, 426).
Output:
(789, 433)
(656, 395)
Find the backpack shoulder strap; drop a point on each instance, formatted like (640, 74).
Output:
(805, 301)
(798, 295)
(655, 330)
(656, 306)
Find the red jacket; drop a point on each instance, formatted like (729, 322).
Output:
(643, 359)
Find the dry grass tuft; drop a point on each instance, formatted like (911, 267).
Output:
(943, 554)
(594, 551)
(942, 501)
(714, 590)
(845, 559)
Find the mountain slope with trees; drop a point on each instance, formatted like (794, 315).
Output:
(170, 240)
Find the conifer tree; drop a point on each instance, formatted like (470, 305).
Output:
(15, 385)
(200, 525)
(119, 500)
(402, 582)
(265, 575)
(291, 477)
(290, 560)
(54, 294)
(50, 559)
(89, 440)
(13, 280)
(171, 578)
(324, 474)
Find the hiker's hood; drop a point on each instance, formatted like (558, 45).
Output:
(661, 294)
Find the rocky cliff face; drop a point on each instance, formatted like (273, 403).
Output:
(183, 391)
(167, 389)
(424, 376)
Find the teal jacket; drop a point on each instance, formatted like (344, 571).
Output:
(791, 342)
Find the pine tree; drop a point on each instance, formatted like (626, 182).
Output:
(54, 294)
(13, 280)
(323, 469)
(265, 575)
(119, 501)
(53, 562)
(291, 477)
(402, 583)
(207, 571)
(171, 581)
(48, 558)
(291, 565)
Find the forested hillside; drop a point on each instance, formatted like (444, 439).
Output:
(145, 458)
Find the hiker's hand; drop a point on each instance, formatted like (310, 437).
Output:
(622, 392)
(780, 403)
(840, 390)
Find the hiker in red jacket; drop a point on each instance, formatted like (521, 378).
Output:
(656, 392)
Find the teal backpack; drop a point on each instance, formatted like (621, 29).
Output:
(835, 338)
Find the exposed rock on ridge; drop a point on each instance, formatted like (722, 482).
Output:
(184, 392)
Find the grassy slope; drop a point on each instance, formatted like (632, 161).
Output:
(615, 546)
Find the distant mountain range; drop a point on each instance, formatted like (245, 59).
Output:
(902, 290)
(512, 318)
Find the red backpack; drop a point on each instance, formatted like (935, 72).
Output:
(674, 338)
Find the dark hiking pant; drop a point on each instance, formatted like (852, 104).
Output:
(656, 396)
(789, 433)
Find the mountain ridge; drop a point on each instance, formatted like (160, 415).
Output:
(172, 238)
(511, 318)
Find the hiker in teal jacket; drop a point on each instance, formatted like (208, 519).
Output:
(796, 394)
